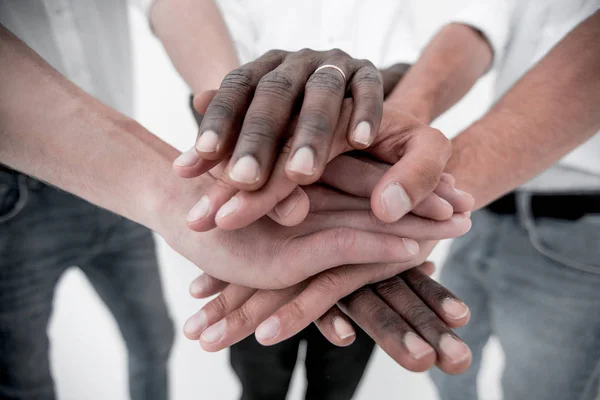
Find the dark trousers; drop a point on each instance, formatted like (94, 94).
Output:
(332, 373)
(43, 231)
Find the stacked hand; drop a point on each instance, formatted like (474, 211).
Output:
(337, 241)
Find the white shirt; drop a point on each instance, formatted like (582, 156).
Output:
(87, 41)
(521, 32)
(377, 30)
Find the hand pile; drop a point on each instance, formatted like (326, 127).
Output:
(372, 204)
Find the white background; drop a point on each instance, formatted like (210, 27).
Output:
(88, 354)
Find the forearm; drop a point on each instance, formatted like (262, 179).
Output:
(448, 67)
(549, 112)
(195, 37)
(52, 130)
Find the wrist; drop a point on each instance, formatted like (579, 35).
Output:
(420, 106)
(169, 200)
(152, 194)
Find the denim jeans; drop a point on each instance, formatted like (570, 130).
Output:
(535, 285)
(43, 231)
(332, 373)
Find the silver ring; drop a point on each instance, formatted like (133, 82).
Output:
(334, 67)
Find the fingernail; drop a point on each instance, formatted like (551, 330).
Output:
(455, 350)
(455, 309)
(395, 201)
(362, 133)
(208, 142)
(416, 346)
(460, 192)
(343, 329)
(228, 208)
(285, 207)
(411, 246)
(200, 210)
(199, 286)
(214, 333)
(196, 323)
(461, 218)
(445, 203)
(303, 161)
(268, 329)
(187, 159)
(245, 170)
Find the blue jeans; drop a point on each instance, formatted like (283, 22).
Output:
(43, 231)
(535, 285)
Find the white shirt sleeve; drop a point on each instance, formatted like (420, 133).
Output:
(238, 17)
(144, 5)
(493, 18)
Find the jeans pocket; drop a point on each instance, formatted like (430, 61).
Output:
(573, 243)
(13, 198)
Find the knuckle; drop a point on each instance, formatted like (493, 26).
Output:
(220, 304)
(259, 129)
(305, 52)
(385, 319)
(359, 297)
(420, 315)
(427, 173)
(296, 309)
(328, 283)
(316, 122)
(274, 53)
(277, 82)
(343, 239)
(368, 75)
(240, 79)
(390, 288)
(221, 108)
(427, 288)
(327, 81)
(241, 318)
(338, 53)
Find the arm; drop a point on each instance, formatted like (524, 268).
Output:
(196, 39)
(549, 112)
(448, 67)
(52, 130)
